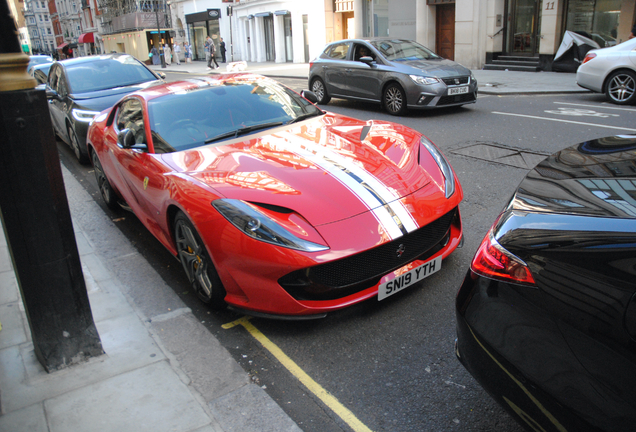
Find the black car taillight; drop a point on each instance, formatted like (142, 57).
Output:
(494, 261)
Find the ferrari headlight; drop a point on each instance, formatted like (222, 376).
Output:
(84, 115)
(259, 226)
(444, 166)
(424, 80)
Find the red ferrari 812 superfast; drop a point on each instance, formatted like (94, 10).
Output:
(273, 206)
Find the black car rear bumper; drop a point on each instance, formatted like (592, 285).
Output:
(518, 354)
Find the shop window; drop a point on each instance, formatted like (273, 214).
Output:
(597, 20)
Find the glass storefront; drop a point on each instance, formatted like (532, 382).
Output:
(200, 26)
(595, 19)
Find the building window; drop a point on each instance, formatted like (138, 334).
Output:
(344, 6)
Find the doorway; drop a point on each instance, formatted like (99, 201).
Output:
(525, 23)
(445, 31)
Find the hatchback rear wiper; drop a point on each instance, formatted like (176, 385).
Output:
(243, 131)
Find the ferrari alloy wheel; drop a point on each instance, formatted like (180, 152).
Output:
(621, 87)
(319, 89)
(108, 194)
(197, 264)
(75, 145)
(394, 99)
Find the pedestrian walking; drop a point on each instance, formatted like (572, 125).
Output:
(177, 53)
(187, 50)
(211, 49)
(167, 53)
(633, 33)
(206, 48)
(222, 48)
(154, 54)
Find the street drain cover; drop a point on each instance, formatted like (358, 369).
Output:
(500, 154)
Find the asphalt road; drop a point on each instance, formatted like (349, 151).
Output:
(391, 364)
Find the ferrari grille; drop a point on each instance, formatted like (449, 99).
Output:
(337, 279)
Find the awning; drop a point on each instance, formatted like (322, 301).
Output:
(282, 12)
(87, 38)
(62, 45)
(263, 14)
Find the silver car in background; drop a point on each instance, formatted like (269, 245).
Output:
(396, 73)
(611, 71)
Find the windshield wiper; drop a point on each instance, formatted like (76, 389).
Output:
(304, 116)
(243, 131)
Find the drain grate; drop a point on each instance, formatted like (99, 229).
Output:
(504, 155)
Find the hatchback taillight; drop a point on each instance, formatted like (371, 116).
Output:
(494, 261)
(588, 57)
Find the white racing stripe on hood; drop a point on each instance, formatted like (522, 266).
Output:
(377, 197)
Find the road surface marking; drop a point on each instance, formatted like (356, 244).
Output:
(604, 106)
(566, 121)
(322, 394)
(578, 112)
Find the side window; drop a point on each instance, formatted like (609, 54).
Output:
(338, 51)
(130, 116)
(360, 50)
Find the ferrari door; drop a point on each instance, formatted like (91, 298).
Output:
(140, 172)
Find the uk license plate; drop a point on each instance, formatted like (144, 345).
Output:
(409, 278)
(457, 90)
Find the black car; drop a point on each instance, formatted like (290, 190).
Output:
(80, 88)
(546, 316)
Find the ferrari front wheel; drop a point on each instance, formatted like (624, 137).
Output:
(106, 190)
(196, 262)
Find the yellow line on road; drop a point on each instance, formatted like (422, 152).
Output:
(322, 394)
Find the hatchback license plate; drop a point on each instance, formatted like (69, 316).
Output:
(457, 90)
(409, 278)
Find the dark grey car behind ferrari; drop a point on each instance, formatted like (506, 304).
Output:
(396, 73)
(80, 88)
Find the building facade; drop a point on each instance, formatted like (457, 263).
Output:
(40, 28)
(475, 33)
(68, 15)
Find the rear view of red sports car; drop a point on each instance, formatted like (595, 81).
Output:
(273, 206)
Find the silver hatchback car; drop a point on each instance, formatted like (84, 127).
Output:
(397, 73)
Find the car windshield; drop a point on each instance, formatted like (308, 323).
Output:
(403, 50)
(223, 110)
(106, 72)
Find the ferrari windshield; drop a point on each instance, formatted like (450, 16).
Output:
(106, 72)
(403, 50)
(223, 110)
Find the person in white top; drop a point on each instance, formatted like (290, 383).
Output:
(177, 53)
(167, 53)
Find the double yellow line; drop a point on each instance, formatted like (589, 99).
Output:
(322, 394)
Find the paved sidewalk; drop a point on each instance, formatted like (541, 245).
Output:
(162, 371)
(490, 82)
